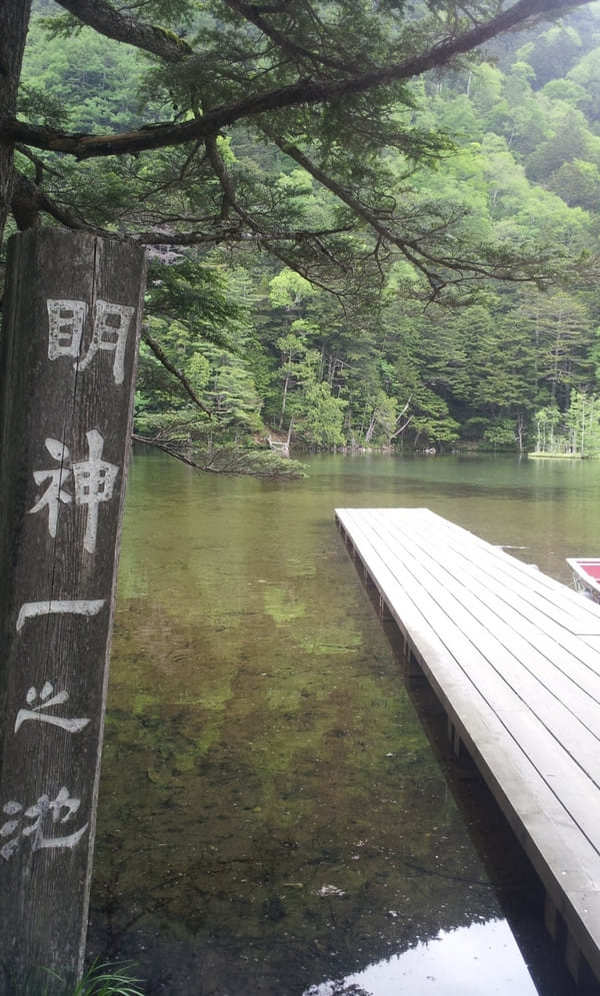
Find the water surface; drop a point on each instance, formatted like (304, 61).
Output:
(278, 813)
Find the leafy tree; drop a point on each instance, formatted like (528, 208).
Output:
(501, 434)
(341, 77)
(582, 423)
(586, 74)
(546, 420)
(553, 52)
(266, 156)
(320, 416)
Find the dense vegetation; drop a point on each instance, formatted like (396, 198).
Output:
(350, 336)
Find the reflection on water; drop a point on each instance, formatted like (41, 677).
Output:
(480, 960)
(272, 813)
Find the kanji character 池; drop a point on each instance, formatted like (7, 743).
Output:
(14, 830)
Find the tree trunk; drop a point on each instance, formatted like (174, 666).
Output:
(14, 21)
(371, 429)
(284, 397)
(520, 431)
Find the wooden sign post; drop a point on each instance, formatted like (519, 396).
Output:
(72, 316)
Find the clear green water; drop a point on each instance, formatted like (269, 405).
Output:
(278, 815)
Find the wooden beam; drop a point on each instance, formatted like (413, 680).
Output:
(513, 658)
(67, 368)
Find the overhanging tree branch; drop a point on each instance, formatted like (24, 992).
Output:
(427, 262)
(263, 237)
(104, 18)
(254, 14)
(174, 453)
(234, 233)
(163, 358)
(28, 200)
(303, 92)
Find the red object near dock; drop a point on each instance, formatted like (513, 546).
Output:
(586, 574)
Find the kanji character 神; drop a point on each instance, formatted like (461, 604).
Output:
(94, 481)
(54, 493)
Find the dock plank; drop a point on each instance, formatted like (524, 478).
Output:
(514, 658)
(567, 678)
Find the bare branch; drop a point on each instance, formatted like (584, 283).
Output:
(163, 358)
(235, 233)
(29, 200)
(191, 238)
(175, 453)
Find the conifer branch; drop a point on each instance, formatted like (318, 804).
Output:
(163, 358)
(114, 24)
(303, 92)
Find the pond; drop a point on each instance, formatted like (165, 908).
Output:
(279, 814)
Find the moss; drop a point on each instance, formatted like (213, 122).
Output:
(173, 37)
(282, 606)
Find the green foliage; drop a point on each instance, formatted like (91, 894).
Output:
(288, 290)
(583, 423)
(108, 980)
(94, 82)
(501, 434)
(320, 415)
(575, 432)
(105, 979)
(463, 172)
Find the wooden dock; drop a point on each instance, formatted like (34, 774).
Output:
(514, 657)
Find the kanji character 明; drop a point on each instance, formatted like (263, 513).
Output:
(66, 321)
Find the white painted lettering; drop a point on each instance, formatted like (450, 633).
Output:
(78, 607)
(111, 326)
(37, 830)
(65, 327)
(54, 493)
(94, 483)
(46, 701)
(66, 321)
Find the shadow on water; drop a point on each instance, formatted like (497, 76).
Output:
(517, 887)
(279, 812)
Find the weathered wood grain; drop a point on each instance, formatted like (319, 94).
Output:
(63, 409)
(510, 654)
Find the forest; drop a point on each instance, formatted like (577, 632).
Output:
(310, 319)
(370, 225)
